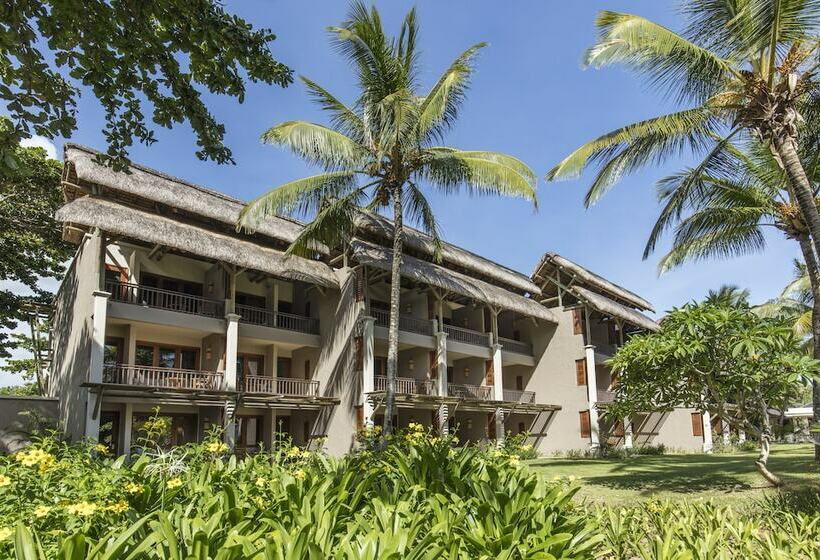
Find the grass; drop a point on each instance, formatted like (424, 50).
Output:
(728, 477)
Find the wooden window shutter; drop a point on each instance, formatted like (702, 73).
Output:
(697, 424)
(489, 375)
(577, 321)
(359, 418)
(519, 382)
(433, 365)
(307, 369)
(586, 430)
(717, 425)
(359, 285)
(581, 371)
(359, 342)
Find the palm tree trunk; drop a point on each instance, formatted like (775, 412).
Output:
(763, 456)
(395, 294)
(786, 148)
(814, 279)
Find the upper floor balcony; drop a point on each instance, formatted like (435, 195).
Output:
(467, 336)
(517, 346)
(404, 385)
(277, 319)
(407, 323)
(285, 386)
(485, 393)
(162, 378)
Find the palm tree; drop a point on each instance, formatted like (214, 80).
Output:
(795, 304)
(740, 67)
(379, 152)
(728, 295)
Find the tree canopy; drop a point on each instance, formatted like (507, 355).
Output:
(127, 53)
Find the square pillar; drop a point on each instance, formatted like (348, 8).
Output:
(592, 395)
(95, 362)
(368, 369)
(627, 433)
(441, 382)
(741, 436)
(707, 431)
(127, 422)
(498, 392)
(229, 377)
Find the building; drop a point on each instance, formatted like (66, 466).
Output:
(166, 305)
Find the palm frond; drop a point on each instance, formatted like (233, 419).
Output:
(318, 144)
(512, 162)
(419, 211)
(342, 117)
(333, 225)
(725, 244)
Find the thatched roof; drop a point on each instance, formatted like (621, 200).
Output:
(614, 309)
(434, 275)
(119, 219)
(155, 186)
(574, 274)
(451, 254)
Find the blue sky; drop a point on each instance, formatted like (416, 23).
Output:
(530, 98)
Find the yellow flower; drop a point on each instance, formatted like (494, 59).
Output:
(299, 475)
(514, 462)
(36, 457)
(174, 483)
(83, 509)
(415, 426)
(5, 533)
(118, 507)
(526, 447)
(133, 488)
(260, 482)
(306, 454)
(41, 511)
(217, 447)
(4, 480)
(101, 449)
(294, 451)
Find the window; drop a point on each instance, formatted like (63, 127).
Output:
(150, 354)
(249, 432)
(379, 365)
(145, 355)
(283, 367)
(112, 353)
(250, 364)
(171, 284)
(489, 374)
(181, 428)
(519, 382)
(586, 430)
(187, 358)
(167, 357)
(577, 321)
(697, 424)
(115, 274)
(284, 307)
(581, 372)
(308, 371)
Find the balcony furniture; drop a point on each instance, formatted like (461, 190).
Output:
(157, 298)
(279, 320)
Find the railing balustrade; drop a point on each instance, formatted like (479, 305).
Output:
(470, 392)
(162, 378)
(605, 396)
(522, 397)
(404, 385)
(281, 386)
(287, 321)
(407, 323)
(158, 298)
(467, 336)
(517, 346)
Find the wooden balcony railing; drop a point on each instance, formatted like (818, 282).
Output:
(287, 321)
(517, 346)
(281, 386)
(470, 392)
(522, 397)
(404, 385)
(162, 378)
(407, 323)
(147, 296)
(467, 336)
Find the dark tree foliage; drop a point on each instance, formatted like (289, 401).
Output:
(127, 52)
(31, 245)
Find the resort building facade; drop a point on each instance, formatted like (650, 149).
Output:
(167, 306)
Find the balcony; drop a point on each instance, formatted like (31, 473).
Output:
(511, 345)
(470, 392)
(286, 321)
(284, 386)
(162, 378)
(157, 298)
(605, 396)
(404, 386)
(407, 323)
(520, 397)
(467, 336)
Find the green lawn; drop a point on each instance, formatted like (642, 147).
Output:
(725, 477)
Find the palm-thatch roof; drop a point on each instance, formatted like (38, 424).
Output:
(434, 275)
(451, 254)
(145, 183)
(614, 309)
(118, 219)
(554, 267)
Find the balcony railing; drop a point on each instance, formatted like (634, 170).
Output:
(287, 321)
(470, 392)
(605, 396)
(516, 346)
(407, 323)
(467, 336)
(180, 302)
(521, 397)
(281, 386)
(162, 378)
(404, 385)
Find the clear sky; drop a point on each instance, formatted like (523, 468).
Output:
(530, 98)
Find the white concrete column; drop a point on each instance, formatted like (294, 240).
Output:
(95, 362)
(127, 421)
(229, 379)
(441, 381)
(592, 395)
(130, 345)
(627, 433)
(741, 436)
(726, 435)
(498, 392)
(271, 429)
(368, 369)
(707, 431)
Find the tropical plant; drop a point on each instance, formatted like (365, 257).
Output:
(717, 358)
(379, 153)
(728, 295)
(739, 69)
(794, 304)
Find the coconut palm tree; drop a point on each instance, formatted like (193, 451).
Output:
(795, 304)
(740, 67)
(380, 152)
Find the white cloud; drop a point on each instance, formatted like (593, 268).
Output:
(40, 142)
